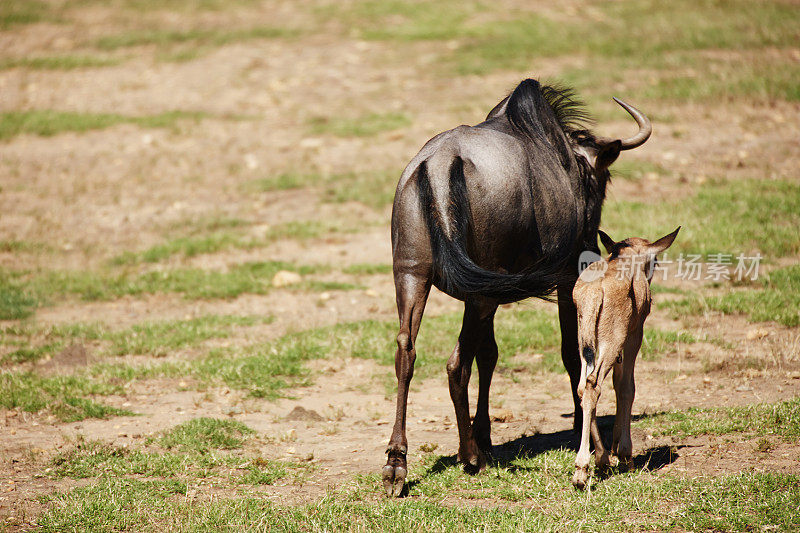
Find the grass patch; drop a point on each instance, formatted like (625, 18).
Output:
(777, 299)
(200, 38)
(741, 502)
(198, 244)
(265, 370)
(367, 269)
(363, 126)
(160, 338)
(16, 300)
(194, 455)
(22, 293)
(65, 62)
(374, 189)
(722, 217)
(658, 342)
(65, 397)
(48, 122)
(672, 49)
(152, 338)
(782, 418)
(200, 435)
(20, 12)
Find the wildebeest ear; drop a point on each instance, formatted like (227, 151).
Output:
(607, 155)
(607, 241)
(663, 243)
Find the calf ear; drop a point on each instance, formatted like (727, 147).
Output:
(607, 155)
(607, 241)
(663, 243)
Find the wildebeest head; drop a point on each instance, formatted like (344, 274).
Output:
(601, 152)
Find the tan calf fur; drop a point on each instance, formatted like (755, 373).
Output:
(613, 300)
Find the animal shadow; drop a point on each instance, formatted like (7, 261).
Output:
(504, 455)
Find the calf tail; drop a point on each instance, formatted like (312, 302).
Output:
(458, 273)
(589, 307)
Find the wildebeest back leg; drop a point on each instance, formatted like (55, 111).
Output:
(475, 329)
(412, 293)
(568, 320)
(486, 358)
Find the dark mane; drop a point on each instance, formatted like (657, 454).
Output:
(548, 112)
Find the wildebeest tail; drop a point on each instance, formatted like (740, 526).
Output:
(457, 272)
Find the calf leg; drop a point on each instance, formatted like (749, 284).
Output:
(590, 397)
(589, 400)
(412, 293)
(625, 390)
(476, 329)
(568, 320)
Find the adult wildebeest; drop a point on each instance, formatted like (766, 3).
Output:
(613, 300)
(491, 214)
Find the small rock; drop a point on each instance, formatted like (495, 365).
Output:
(284, 278)
(305, 415)
(757, 333)
(502, 415)
(324, 297)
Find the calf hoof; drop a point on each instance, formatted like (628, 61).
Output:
(394, 480)
(580, 478)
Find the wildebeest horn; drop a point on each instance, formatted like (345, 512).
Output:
(645, 128)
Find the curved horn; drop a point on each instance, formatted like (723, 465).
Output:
(645, 128)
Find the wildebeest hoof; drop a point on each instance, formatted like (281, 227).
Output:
(475, 464)
(580, 478)
(394, 479)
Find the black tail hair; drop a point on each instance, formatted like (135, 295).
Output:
(458, 273)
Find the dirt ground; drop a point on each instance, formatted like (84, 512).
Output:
(90, 196)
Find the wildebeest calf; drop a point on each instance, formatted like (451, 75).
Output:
(613, 301)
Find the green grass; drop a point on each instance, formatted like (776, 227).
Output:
(160, 338)
(64, 62)
(363, 126)
(166, 38)
(16, 300)
(730, 217)
(193, 454)
(367, 269)
(156, 339)
(200, 435)
(743, 502)
(65, 397)
(782, 419)
(217, 241)
(777, 298)
(48, 122)
(21, 12)
(657, 50)
(266, 369)
(658, 342)
(30, 353)
(374, 189)
(21, 293)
